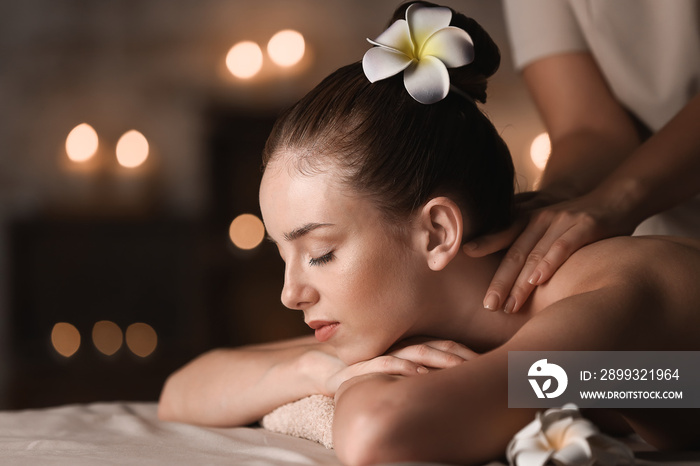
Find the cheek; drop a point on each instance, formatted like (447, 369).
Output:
(379, 292)
(378, 275)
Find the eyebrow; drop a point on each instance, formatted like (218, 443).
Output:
(301, 231)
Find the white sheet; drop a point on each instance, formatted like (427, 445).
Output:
(130, 433)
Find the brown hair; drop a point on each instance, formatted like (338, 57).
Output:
(402, 153)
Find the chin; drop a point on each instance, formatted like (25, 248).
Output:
(352, 354)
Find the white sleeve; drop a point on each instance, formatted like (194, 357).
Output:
(539, 28)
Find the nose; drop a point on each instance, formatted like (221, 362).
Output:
(297, 293)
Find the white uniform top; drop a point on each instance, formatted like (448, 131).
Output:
(647, 50)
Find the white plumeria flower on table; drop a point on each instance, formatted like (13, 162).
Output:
(561, 436)
(423, 46)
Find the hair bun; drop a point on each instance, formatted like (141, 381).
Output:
(471, 78)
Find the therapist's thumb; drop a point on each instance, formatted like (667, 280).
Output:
(494, 242)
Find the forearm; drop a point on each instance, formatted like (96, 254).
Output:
(362, 413)
(591, 133)
(581, 159)
(238, 386)
(456, 415)
(661, 173)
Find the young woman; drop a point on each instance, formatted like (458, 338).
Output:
(369, 195)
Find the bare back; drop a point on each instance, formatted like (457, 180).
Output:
(621, 294)
(651, 288)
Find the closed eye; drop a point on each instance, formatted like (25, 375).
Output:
(324, 259)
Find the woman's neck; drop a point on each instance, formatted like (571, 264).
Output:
(457, 312)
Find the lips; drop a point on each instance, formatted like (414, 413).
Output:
(324, 329)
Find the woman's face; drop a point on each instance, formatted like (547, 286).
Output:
(357, 282)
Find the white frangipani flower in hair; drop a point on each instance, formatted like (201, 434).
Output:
(423, 46)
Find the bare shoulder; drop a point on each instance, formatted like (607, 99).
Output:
(639, 292)
(669, 264)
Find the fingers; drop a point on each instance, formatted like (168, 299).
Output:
(548, 241)
(526, 202)
(488, 244)
(547, 256)
(453, 347)
(560, 250)
(412, 359)
(438, 354)
(498, 295)
(390, 365)
(550, 248)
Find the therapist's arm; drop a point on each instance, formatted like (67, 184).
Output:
(591, 133)
(595, 146)
(609, 183)
(662, 173)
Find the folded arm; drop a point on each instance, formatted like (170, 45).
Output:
(461, 415)
(457, 415)
(229, 387)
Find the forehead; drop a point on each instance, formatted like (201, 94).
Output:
(289, 199)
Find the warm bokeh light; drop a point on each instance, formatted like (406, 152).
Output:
(540, 150)
(286, 48)
(244, 60)
(65, 339)
(141, 339)
(81, 143)
(107, 337)
(132, 149)
(246, 231)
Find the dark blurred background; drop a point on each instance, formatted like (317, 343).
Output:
(121, 263)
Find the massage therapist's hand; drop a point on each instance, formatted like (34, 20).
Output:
(526, 205)
(541, 240)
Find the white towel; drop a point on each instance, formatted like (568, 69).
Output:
(309, 418)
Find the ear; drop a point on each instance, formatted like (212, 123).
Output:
(441, 227)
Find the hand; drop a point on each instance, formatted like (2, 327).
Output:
(420, 353)
(541, 242)
(525, 204)
(328, 372)
(407, 358)
(432, 353)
